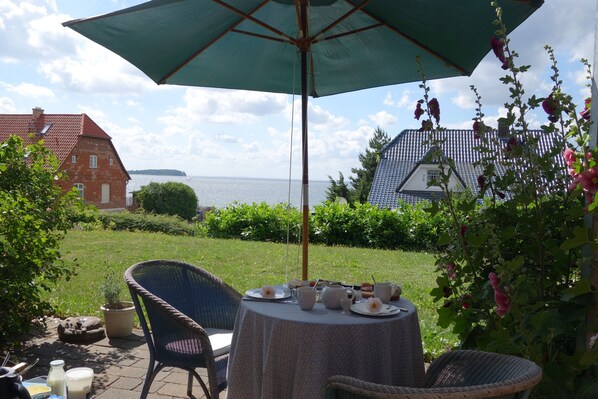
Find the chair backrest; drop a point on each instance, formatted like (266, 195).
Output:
(455, 375)
(195, 292)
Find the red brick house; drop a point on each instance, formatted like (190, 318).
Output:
(85, 152)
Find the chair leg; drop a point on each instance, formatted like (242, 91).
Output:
(149, 378)
(200, 380)
(190, 384)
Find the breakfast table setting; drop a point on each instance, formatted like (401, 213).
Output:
(289, 339)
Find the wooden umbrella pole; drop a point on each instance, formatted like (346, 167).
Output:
(305, 176)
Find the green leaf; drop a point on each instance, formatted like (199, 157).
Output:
(580, 288)
(580, 238)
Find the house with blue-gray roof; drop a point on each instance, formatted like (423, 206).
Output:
(406, 167)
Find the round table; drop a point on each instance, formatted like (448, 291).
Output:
(279, 351)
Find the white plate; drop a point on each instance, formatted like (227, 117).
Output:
(257, 294)
(387, 310)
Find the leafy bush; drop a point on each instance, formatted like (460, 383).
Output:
(128, 221)
(169, 198)
(257, 222)
(34, 215)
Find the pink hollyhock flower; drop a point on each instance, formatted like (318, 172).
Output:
(500, 297)
(588, 179)
(419, 110)
(511, 144)
(450, 271)
(434, 109)
(569, 156)
(466, 301)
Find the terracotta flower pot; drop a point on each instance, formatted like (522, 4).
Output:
(119, 322)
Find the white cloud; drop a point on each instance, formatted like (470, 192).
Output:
(31, 91)
(383, 119)
(7, 106)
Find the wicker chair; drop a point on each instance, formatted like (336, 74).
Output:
(458, 374)
(191, 315)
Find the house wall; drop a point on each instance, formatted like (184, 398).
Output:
(92, 178)
(419, 181)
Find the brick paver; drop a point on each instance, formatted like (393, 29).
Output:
(120, 365)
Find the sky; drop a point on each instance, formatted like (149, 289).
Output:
(230, 133)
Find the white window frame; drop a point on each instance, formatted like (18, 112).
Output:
(81, 188)
(73, 159)
(93, 161)
(111, 161)
(432, 174)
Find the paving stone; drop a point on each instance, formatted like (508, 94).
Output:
(125, 383)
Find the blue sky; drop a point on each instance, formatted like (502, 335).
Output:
(209, 132)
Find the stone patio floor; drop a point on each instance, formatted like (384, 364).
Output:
(119, 364)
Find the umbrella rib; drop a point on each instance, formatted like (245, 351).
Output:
(415, 42)
(244, 16)
(342, 18)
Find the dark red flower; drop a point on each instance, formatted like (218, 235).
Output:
(463, 230)
(500, 194)
(427, 125)
(466, 301)
(482, 182)
(419, 111)
(451, 271)
(434, 109)
(511, 144)
(477, 128)
(498, 46)
(551, 107)
(586, 113)
(446, 291)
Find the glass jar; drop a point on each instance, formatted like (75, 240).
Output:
(357, 295)
(57, 378)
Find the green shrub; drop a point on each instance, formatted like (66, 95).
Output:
(34, 216)
(129, 221)
(169, 198)
(257, 222)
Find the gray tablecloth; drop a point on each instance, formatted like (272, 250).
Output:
(281, 352)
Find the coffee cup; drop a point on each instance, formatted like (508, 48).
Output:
(383, 291)
(306, 296)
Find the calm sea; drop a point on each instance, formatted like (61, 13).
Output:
(222, 191)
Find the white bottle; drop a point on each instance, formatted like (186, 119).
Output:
(57, 378)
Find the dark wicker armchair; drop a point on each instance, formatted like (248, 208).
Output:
(191, 315)
(458, 374)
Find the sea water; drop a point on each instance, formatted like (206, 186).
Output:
(222, 191)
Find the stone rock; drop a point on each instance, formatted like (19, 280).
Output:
(83, 329)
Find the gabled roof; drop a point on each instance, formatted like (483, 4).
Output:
(63, 130)
(400, 158)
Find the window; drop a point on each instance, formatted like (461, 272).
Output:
(433, 177)
(74, 159)
(81, 188)
(93, 161)
(45, 129)
(105, 193)
(111, 161)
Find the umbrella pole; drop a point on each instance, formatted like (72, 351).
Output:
(304, 158)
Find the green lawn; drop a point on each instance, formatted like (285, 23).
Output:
(244, 265)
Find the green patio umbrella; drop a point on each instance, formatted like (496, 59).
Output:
(338, 45)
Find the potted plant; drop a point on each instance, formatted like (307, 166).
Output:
(118, 314)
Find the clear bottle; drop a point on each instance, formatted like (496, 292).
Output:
(357, 293)
(57, 378)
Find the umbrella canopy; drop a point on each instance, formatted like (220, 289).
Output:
(339, 45)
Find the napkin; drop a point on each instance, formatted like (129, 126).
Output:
(268, 291)
(374, 305)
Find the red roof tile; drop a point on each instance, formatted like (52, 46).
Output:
(61, 136)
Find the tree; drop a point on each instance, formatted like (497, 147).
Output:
(34, 217)
(338, 189)
(364, 176)
(169, 198)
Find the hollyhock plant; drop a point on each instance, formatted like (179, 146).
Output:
(419, 111)
(374, 305)
(522, 243)
(586, 113)
(434, 109)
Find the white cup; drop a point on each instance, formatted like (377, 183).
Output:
(306, 296)
(383, 291)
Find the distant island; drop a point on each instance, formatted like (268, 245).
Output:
(158, 172)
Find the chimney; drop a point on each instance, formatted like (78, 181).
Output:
(37, 112)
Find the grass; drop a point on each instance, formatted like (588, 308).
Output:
(243, 265)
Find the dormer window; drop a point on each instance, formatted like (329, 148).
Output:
(433, 177)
